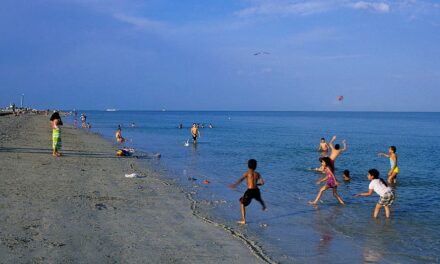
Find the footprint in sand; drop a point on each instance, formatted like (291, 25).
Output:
(100, 206)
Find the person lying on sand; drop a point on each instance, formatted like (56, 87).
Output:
(124, 152)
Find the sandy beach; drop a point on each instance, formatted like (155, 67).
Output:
(80, 208)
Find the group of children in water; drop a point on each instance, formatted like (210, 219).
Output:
(254, 179)
(377, 184)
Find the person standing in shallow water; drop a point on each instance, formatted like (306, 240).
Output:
(336, 150)
(323, 147)
(195, 132)
(56, 123)
(394, 170)
(118, 135)
(332, 183)
(379, 186)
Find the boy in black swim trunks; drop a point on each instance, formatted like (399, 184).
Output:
(195, 132)
(253, 181)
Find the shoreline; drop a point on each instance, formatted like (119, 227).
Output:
(255, 249)
(81, 208)
(252, 246)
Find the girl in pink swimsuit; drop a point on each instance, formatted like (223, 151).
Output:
(331, 181)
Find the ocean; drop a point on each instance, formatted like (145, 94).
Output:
(285, 146)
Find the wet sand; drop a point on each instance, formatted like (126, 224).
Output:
(80, 208)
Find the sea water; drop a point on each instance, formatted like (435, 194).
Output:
(285, 146)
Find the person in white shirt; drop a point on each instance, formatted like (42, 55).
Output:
(379, 186)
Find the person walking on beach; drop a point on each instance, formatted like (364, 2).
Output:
(394, 170)
(195, 132)
(254, 180)
(379, 186)
(323, 147)
(331, 181)
(118, 135)
(55, 122)
(336, 151)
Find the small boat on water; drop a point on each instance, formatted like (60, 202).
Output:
(111, 110)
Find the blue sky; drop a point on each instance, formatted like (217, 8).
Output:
(199, 55)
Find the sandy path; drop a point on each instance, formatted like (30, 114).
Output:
(80, 209)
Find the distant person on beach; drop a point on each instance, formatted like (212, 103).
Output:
(83, 118)
(336, 150)
(254, 180)
(118, 135)
(379, 186)
(323, 147)
(55, 122)
(346, 175)
(124, 152)
(180, 126)
(133, 125)
(195, 132)
(394, 170)
(331, 181)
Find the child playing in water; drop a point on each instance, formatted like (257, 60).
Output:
(392, 174)
(253, 181)
(195, 132)
(323, 147)
(379, 186)
(336, 150)
(331, 181)
(346, 175)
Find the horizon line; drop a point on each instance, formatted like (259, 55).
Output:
(200, 110)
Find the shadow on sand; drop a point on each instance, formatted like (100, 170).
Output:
(65, 152)
(78, 153)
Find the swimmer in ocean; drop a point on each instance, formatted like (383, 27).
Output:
(346, 175)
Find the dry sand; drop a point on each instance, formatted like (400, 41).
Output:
(80, 208)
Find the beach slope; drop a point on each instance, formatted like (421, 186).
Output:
(80, 208)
